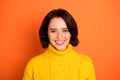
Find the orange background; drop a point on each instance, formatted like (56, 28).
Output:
(99, 33)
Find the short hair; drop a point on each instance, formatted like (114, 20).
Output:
(69, 20)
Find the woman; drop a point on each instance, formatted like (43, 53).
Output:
(58, 33)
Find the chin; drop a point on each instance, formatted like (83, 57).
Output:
(60, 49)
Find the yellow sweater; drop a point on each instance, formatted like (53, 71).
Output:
(60, 65)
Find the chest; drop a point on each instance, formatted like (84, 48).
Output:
(61, 71)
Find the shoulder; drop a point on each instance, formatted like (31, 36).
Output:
(86, 62)
(34, 61)
(32, 67)
(84, 58)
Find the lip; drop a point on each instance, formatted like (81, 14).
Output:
(59, 42)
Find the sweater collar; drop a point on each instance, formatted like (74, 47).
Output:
(54, 54)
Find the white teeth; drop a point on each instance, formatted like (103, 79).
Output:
(59, 42)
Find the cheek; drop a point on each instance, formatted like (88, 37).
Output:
(68, 36)
(51, 37)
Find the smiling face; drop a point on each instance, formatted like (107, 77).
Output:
(58, 33)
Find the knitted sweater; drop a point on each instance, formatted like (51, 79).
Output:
(60, 65)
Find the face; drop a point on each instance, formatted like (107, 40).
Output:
(58, 33)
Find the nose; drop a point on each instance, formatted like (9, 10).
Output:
(59, 35)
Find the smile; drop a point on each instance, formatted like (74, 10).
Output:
(59, 42)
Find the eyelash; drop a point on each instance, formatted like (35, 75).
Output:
(65, 30)
(55, 31)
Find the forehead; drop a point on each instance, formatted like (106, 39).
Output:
(57, 22)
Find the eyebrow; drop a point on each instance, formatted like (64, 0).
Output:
(52, 29)
(64, 28)
(56, 29)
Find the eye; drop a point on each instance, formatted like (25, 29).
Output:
(65, 30)
(52, 31)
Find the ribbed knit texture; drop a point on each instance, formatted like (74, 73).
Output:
(60, 65)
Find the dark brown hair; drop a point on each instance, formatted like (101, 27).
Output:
(69, 20)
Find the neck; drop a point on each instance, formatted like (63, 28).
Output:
(54, 54)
